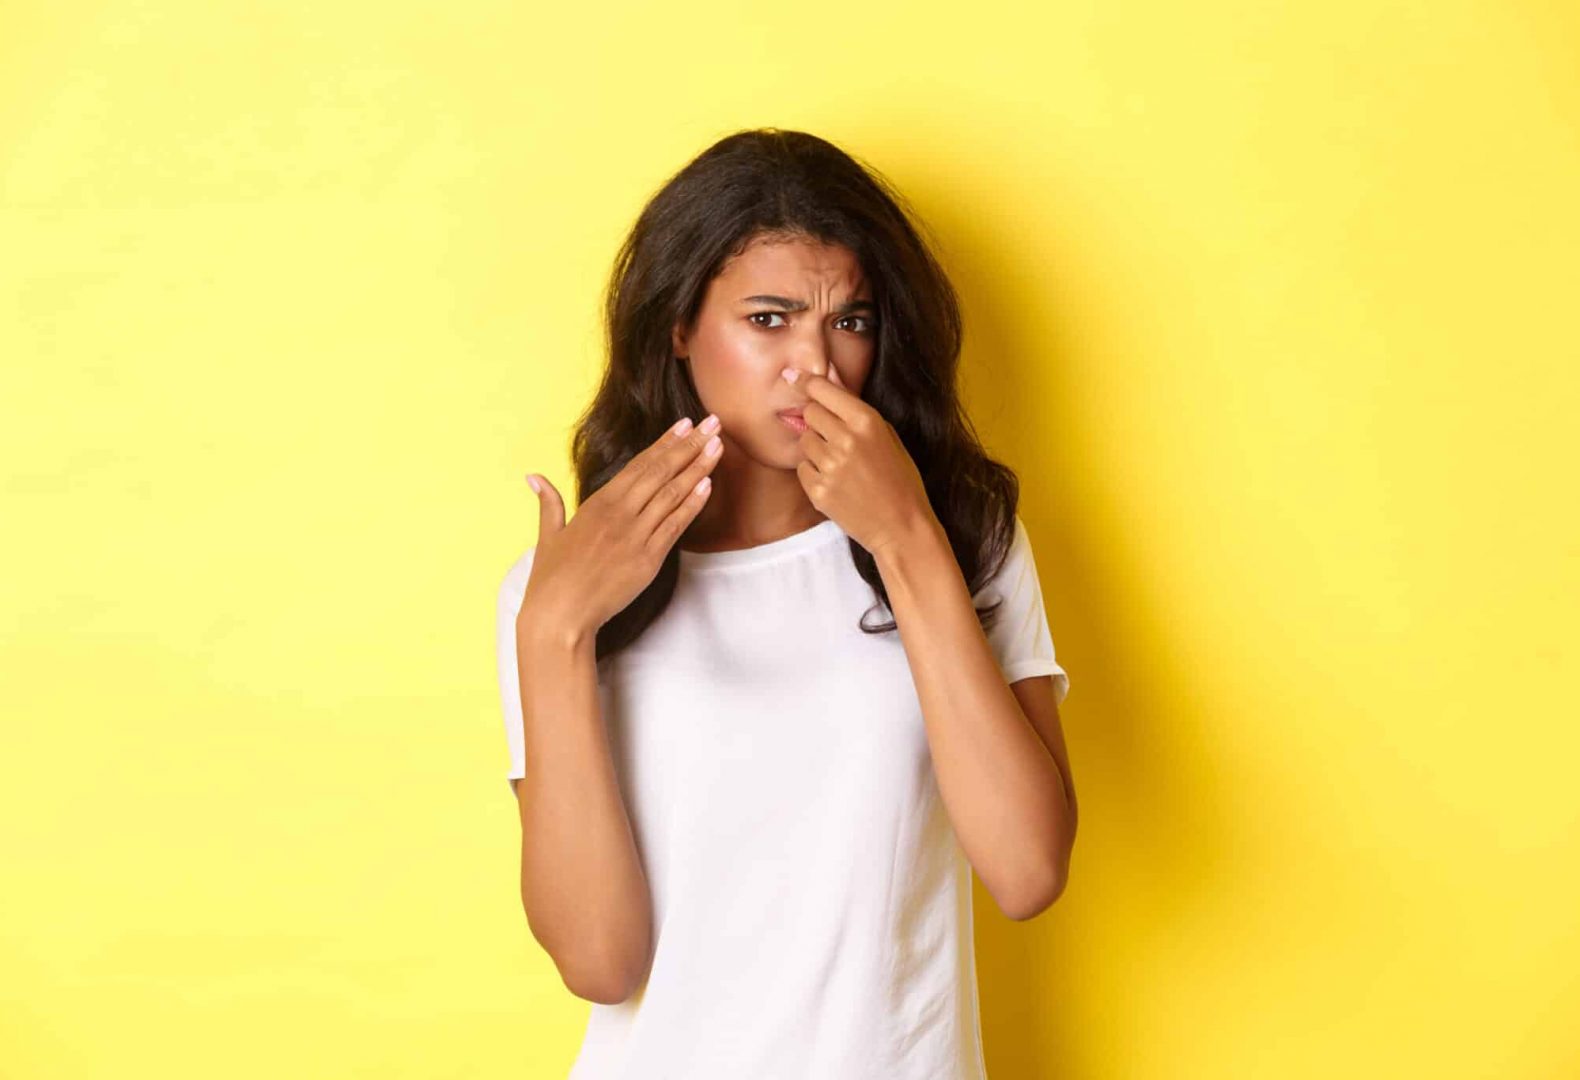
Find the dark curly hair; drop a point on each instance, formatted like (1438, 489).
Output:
(777, 183)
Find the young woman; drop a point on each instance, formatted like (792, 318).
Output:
(750, 811)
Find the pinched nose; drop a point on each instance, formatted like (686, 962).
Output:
(828, 371)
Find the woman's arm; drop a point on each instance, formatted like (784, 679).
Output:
(582, 884)
(1005, 787)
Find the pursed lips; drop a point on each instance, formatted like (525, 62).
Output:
(795, 412)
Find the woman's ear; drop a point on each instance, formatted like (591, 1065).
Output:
(677, 342)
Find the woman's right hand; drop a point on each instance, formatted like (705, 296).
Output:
(586, 572)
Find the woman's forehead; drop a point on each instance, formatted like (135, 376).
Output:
(774, 265)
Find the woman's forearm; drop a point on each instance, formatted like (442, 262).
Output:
(1003, 789)
(582, 884)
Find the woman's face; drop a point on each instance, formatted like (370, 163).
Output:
(780, 303)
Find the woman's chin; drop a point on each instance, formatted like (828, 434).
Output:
(779, 452)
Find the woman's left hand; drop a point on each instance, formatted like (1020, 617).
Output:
(857, 471)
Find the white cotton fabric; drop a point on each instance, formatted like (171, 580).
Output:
(812, 906)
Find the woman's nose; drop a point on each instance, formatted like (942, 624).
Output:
(791, 372)
(812, 358)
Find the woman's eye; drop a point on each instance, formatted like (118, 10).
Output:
(870, 323)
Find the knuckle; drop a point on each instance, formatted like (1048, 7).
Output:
(659, 542)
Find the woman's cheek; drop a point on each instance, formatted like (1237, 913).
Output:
(731, 379)
(752, 352)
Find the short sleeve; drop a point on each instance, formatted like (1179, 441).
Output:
(512, 590)
(1019, 637)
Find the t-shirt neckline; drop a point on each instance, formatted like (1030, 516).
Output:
(824, 532)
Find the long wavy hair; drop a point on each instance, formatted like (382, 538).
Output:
(778, 183)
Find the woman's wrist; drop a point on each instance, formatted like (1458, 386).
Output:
(543, 622)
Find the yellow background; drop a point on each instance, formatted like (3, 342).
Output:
(1271, 305)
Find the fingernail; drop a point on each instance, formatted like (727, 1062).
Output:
(532, 482)
(681, 428)
(710, 424)
(790, 375)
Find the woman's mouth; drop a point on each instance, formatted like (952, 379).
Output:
(793, 419)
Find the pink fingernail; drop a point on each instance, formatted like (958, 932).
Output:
(790, 375)
(680, 429)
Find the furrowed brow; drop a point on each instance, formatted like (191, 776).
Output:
(784, 303)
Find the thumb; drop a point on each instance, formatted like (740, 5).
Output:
(551, 508)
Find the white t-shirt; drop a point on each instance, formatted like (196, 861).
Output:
(812, 906)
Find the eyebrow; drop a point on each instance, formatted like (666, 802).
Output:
(784, 303)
